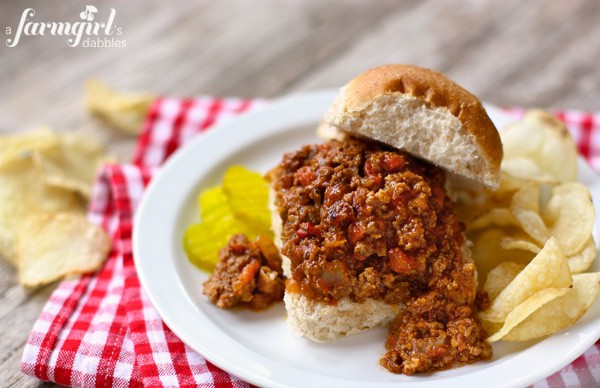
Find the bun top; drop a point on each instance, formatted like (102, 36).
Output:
(425, 114)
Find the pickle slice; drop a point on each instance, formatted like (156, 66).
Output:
(248, 195)
(214, 206)
(240, 206)
(200, 246)
(203, 241)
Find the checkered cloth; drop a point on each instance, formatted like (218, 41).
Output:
(101, 330)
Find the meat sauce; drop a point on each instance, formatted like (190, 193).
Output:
(247, 274)
(359, 221)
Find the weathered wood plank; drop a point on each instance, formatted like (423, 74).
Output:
(522, 53)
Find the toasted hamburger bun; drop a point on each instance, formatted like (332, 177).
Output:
(423, 113)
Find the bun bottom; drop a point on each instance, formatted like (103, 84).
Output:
(321, 322)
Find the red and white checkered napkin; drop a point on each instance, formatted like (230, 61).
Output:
(101, 329)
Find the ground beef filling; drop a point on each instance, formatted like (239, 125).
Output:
(247, 274)
(434, 334)
(360, 221)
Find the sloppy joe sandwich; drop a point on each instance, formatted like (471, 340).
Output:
(367, 231)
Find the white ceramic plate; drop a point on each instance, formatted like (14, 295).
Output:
(260, 347)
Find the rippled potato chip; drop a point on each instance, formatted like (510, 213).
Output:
(525, 207)
(19, 147)
(545, 142)
(42, 174)
(124, 112)
(23, 193)
(493, 217)
(487, 252)
(525, 169)
(66, 160)
(569, 216)
(532, 234)
(500, 277)
(581, 261)
(509, 184)
(525, 309)
(549, 268)
(51, 246)
(513, 243)
(551, 312)
(73, 163)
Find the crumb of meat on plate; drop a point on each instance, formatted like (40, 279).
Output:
(248, 274)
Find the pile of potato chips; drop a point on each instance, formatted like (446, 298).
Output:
(532, 239)
(45, 180)
(240, 205)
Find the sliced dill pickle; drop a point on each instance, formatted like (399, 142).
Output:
(248, 195)
(240, 206)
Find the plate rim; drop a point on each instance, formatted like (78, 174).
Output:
(179, 328)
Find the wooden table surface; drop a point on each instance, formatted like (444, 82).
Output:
(526, 53)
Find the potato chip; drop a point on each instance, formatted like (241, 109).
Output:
(248, 195)
(569, 216)
(125, 112)
(487, 252)
(23, 192)
(67, 160)
(473, 201)
(73, 163)
(491, 327)
(503, 196)
(525, 169)
(511, 183)
(512, 243)
(522, 138)
(555, 314)
(525, 309)
(549, 268)
(53, 245)
(582, 260)
(493, 217)
(543, 140)
(468, 203)
(537, 204)
(525, 207)
(19, 147)
(558, 153)
(500, 277)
